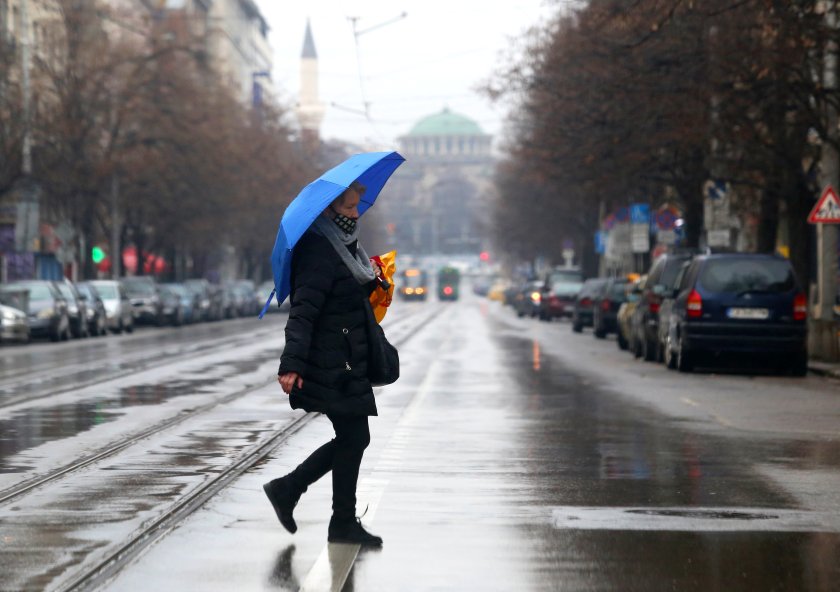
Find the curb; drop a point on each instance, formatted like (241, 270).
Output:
(822, 369)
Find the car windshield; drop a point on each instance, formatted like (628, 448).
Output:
(619, 289)
(37, 292)
(414, 278)
(742, 274)
(107, 291)
(66, 291)
(672, 269)
(139, 288)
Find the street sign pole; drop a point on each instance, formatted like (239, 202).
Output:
(823, 333)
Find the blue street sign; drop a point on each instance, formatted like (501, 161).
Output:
(600, 242)
(640, 213)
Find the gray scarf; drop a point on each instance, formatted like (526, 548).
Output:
(358, 266)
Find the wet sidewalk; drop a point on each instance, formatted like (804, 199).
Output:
(494, 466)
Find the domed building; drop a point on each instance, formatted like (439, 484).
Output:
(439, 198)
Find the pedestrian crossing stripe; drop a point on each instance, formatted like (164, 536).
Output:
(827, 209)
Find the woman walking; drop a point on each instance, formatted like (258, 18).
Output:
(324, 363)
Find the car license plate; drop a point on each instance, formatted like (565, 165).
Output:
(757, 314)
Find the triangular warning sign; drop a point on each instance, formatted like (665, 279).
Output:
(827, 210)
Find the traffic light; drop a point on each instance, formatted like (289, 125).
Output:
(97, 254)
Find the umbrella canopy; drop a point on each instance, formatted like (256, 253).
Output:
(371, 169)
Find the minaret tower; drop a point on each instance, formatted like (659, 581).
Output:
(310, 110)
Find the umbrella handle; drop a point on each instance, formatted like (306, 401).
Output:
(383, 283)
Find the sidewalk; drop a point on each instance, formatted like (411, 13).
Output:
(824, 369)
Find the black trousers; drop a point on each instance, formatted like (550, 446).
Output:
(341, 455)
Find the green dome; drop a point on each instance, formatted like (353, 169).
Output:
(446, 123)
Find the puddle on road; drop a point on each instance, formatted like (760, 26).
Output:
(32, 427)
(591, 448)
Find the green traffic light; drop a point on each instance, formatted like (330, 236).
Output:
(97, 254)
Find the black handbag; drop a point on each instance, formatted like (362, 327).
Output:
(383, 358)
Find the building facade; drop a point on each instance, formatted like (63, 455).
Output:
(439, 199)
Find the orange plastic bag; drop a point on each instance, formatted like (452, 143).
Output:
(380, 300)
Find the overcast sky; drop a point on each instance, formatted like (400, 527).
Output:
(434, 57)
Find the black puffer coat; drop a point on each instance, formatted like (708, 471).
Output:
(326, 336)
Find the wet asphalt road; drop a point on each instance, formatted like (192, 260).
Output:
(511, 455)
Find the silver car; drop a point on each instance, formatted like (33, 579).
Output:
(13, 324)
(118, 310)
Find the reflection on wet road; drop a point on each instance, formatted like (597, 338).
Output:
(511, 455)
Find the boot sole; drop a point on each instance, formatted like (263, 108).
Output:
(354, 542)
(288, 524)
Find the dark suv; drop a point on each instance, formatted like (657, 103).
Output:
(660, 282)
(738, 303)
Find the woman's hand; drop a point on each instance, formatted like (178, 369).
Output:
(287, 381)
(377, 271)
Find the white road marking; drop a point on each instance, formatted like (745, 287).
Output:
(333, 565)
(336, 560)
(694, 519)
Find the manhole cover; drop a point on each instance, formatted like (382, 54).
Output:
(706, 514)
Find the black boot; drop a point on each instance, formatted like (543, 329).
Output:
(350, 530)
(284, 499)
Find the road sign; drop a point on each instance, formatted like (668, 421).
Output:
(827, 210)
(640, 213)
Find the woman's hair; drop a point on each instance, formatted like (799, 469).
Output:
(355, 186)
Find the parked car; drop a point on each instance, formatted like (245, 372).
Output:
(171, 308)
(582, 312)
(560, 289)
(605, 310)
(526, 302)
(738, 303)
(118, 310)
(660, 281)
(188, 301)
(145, 299)
(201, 288)
(13, 323)
(633, 291)
(76, 309)
(252, 305)
(46, 311)
(448, 283)
(96, 313)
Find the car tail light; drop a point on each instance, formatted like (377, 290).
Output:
(694, 305)
(800, 307)
(447, 290)
(536, 297)
(586, 302)
(653, 302)
(605, 305)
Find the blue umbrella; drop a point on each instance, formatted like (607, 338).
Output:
(371, 170)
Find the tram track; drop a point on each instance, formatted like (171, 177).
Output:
(159, 359)
(17, 491)
(114, 560)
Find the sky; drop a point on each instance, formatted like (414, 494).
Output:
(433, 58)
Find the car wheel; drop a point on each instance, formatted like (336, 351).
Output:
(637, 347)
(599, 333)
(648, 350)
(520, 314)
(56, 335)
(622, 342)
(577, 327)
(130, 327)
(685, 360)
(668, 354)
(799, 365)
